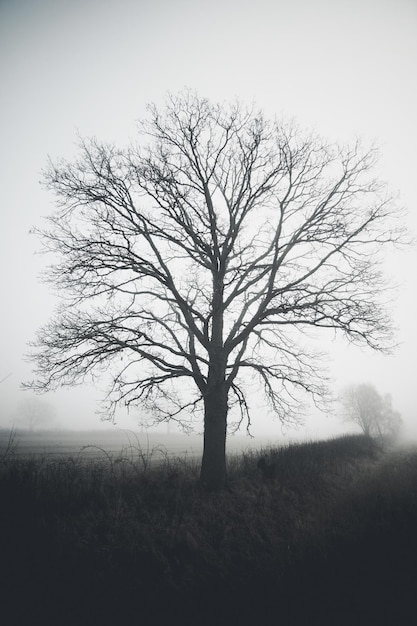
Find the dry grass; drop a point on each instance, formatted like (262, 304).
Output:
(117, 538)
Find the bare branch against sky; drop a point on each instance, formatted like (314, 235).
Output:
(343, 69)
(200, 257)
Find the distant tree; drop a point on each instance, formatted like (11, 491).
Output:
(390, 420)
(33, 413)
(374, 414)
(194, 262)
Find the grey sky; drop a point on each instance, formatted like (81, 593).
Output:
(344, 68)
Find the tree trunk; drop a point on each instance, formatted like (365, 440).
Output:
(213, 474)
(213, 466)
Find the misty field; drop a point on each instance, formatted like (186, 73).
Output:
(117, 539)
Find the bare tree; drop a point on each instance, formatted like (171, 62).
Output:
(33, 413)
(197, 259)
(372, 412)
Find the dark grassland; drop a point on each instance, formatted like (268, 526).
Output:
(331, 539)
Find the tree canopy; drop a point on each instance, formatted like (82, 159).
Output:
(194, 261)
(372, 412)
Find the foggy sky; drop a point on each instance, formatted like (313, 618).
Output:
(342, 68)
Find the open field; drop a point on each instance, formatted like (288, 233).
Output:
(95, 444)
(331, 539)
